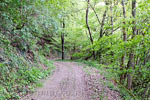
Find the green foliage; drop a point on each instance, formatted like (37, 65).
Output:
(30, 30)
(19, 55)
(18, 74)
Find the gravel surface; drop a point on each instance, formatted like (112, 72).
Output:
(96, 86)
(71, 82)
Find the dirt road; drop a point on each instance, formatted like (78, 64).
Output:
(69, 82)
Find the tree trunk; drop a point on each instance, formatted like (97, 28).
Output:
(131, 56)
(102, 23)
(88, 27)
(122, 65)
(112, 29)
(129, 65)
(101, 31)
(133, 15)
(62, 42)
(111, 9)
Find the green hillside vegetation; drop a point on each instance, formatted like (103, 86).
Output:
(113, 33)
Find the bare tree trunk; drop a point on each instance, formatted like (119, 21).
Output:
(122, 65)
(112, 27)
(131, 56)
(102, 23)
(111, 9)
(129, 65)
(62, 42)
(87, 24)
(133, 15)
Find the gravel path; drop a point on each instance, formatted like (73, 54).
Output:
(67, 83)
(70, 82)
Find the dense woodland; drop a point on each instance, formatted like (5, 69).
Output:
(115, 33)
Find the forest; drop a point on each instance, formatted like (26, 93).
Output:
(111, 34)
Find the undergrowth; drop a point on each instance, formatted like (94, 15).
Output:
(111, 79)
(19, 75)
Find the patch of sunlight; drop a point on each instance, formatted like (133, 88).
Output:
(101, 4)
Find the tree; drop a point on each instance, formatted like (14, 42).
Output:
(88, 27)
(131, 55)
(62, 40)
(122, 65)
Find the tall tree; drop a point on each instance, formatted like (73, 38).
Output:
(131, 55)
(112, 24)
(102, 23)
(122, 65)
(62, 40)
(88, 27)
